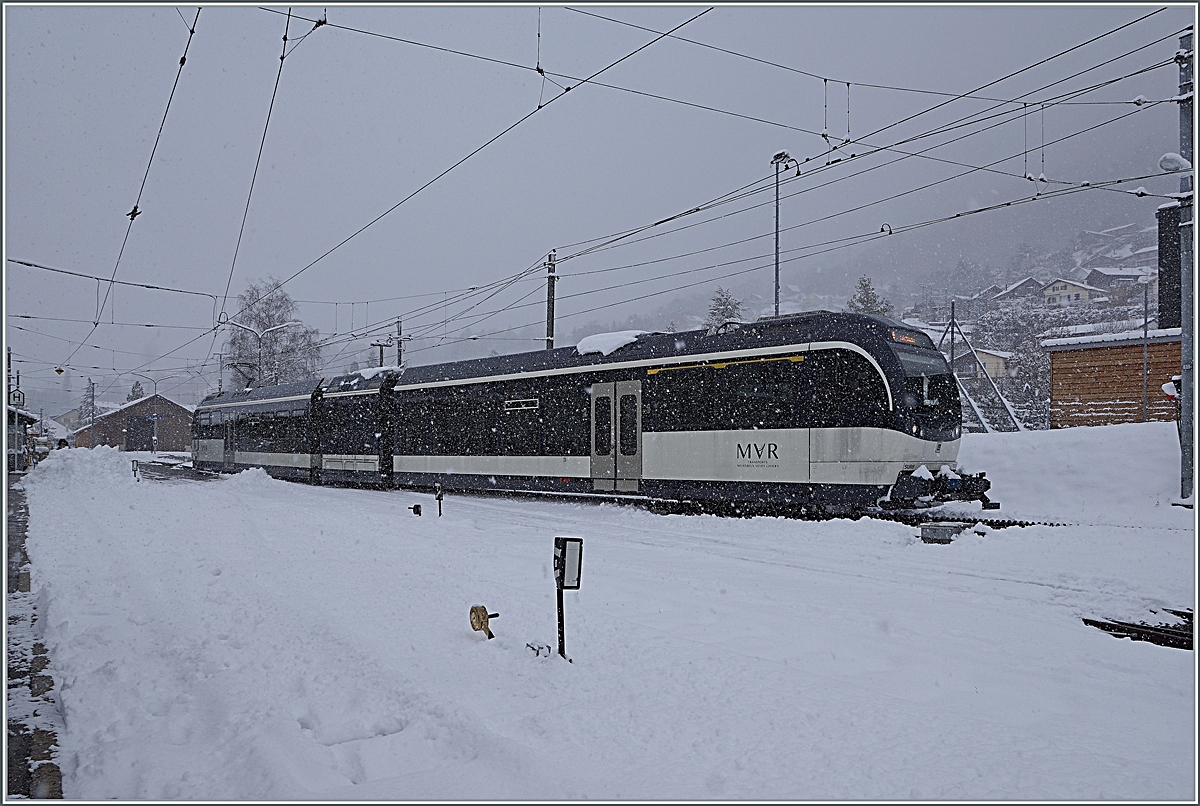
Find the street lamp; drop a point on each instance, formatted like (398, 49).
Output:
(259, 336)
(154, 419)
(782, 160)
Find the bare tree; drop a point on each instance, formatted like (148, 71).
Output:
(267, 344)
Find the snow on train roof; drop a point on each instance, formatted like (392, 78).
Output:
(798, 328)
(605, 348)
(607, 343)
(262, 393)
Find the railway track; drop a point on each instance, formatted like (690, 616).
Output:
(909, 517)
(1178, 636)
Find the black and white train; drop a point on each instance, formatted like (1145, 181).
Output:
(818, 412)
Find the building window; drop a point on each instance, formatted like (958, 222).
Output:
(1076, 296)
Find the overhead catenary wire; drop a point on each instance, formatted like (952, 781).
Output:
(473, 153)
(513, 64)
(838, 244)
(135, 212)
(617, 237)
(826, 79)
(447, 170)
(559, 96)
(257, 162)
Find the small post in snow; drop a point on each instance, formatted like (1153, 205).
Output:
(568, 563)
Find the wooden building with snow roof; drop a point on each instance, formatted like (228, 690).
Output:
(1097, 379)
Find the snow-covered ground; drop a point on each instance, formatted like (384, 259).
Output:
(251, 638)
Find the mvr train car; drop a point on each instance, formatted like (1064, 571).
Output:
(820, 412)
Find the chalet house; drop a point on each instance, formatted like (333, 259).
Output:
(69, 419)
(149, 423)
(1063, 293)
(995, 363)
(1029, 288)
(1114, 276)
(1097, 379)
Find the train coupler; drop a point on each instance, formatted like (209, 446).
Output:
(929, 488)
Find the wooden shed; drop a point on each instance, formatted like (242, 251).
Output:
(1097, 379)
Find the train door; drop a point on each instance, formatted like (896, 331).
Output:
(604, 467)
(628, 434)
(617, 435)
(228, 428)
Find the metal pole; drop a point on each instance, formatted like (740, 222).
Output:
(399, 345)
(550, 280)
(952, 326)
(154, 431)
(1185, 58)
(777, 164)
(1145, 343)
(562, 640)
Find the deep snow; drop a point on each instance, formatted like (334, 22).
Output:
(251, 638)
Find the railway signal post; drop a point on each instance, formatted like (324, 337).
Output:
(568, 562)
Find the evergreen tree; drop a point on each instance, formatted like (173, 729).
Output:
(87, 409)
(867, 300)
(725, 307)
(283, 355)
(135, 392)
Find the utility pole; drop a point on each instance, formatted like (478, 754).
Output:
(1185, 56)
(550, 280)
(220, 372)
(399, 345)
(380, 345)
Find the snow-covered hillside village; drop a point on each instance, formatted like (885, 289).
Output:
(648, 403)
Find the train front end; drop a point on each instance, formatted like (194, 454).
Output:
(929, 410)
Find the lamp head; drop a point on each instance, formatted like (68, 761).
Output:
(1172, 162)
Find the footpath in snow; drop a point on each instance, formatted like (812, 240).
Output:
(249, 638)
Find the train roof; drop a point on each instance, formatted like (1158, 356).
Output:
(768, 332)
(798, 328)
(262, 393)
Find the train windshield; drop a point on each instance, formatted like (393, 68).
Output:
(931, 393)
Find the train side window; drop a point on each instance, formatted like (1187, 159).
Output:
(603, 426)
(628, 425)
(840, 388)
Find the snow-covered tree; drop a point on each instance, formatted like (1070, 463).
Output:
(282, 355)
(725, 307)
(867, 300)
(87, 409)
(135, 392)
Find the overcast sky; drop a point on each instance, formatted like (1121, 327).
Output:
(361, 121)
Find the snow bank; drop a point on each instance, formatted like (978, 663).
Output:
(1117, 475)
(607, 343)
(254, 639)
(94, 470)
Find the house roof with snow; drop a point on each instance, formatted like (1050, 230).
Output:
(131, 403)
(1121, 271)
(1027, 285)
(1075, 283)
(23, 415)
(1167, 335)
